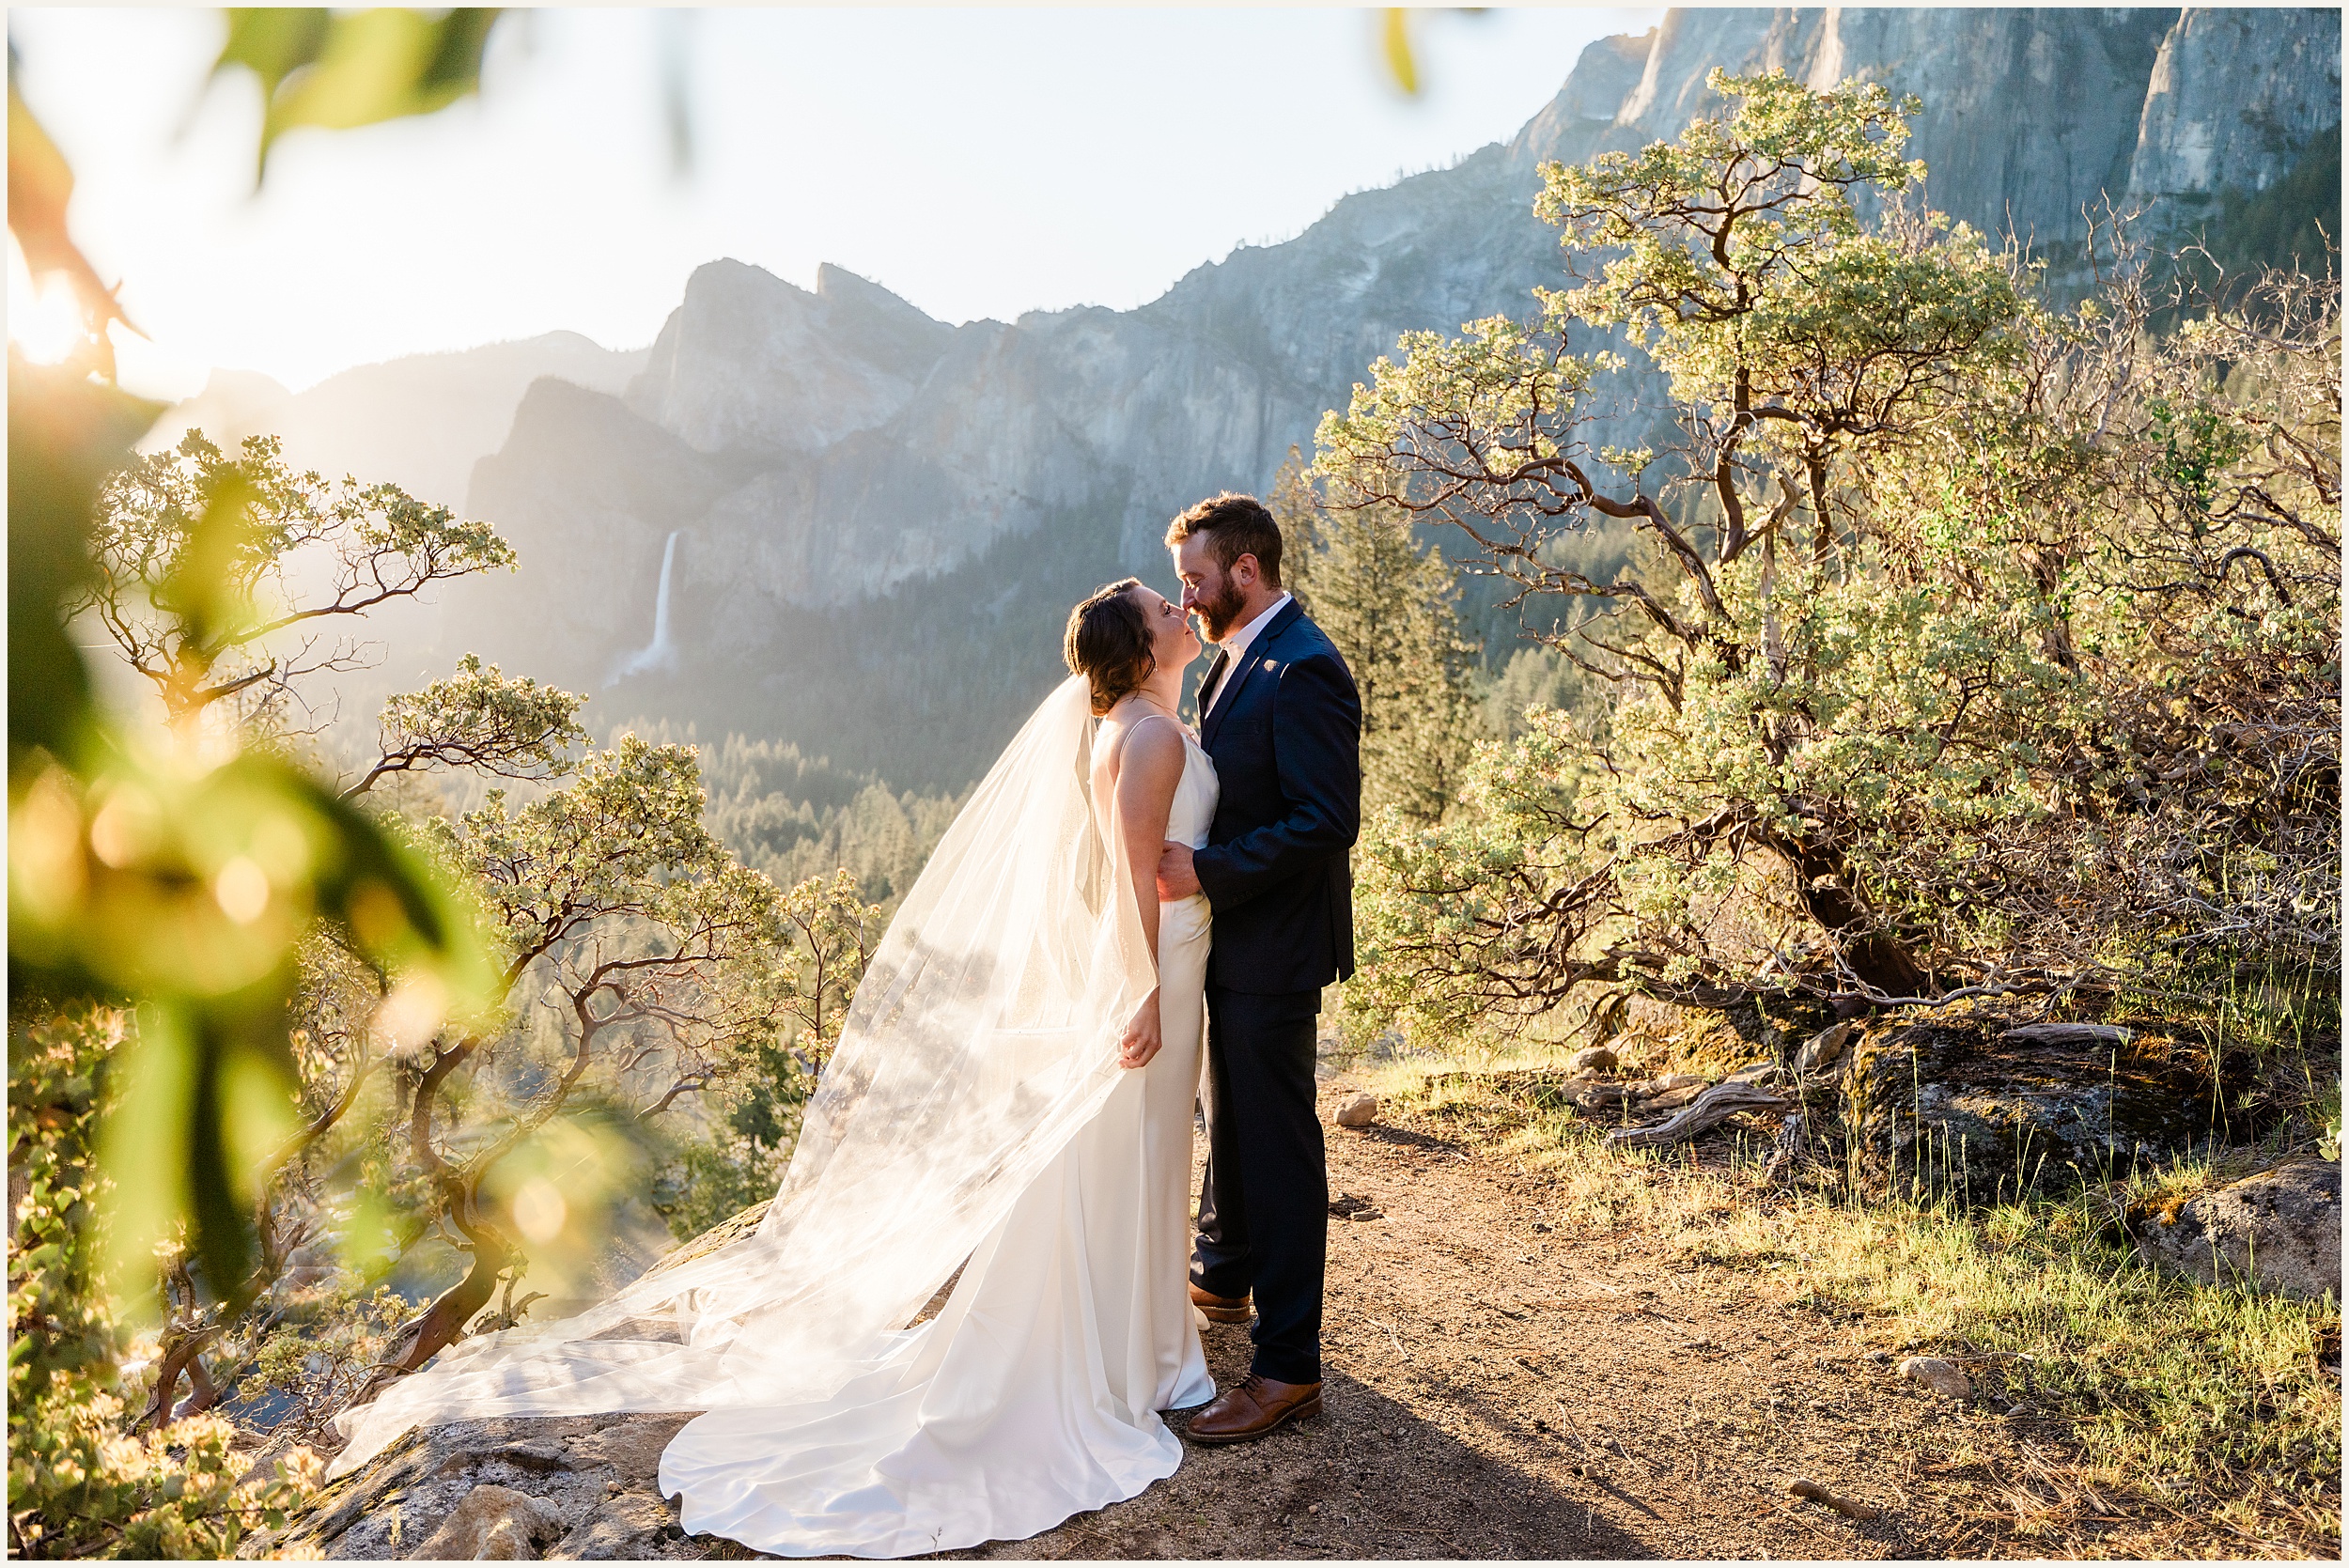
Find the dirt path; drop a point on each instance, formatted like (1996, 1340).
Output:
(1497, 1388)
(1498, 1385)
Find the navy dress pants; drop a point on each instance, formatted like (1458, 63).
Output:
(1264, 1206)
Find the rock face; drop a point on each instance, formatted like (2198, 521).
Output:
(826, 365)
(2229, 103)
(881, 519)
(1946, 1104)
(588, 493)
(582, 1487)
(2279, 1230)
(495, 1522)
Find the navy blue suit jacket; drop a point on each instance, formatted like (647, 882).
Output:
(1286, 736)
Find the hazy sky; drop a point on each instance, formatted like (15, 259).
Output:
(978, 161)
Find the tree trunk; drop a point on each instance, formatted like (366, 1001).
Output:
(443, 1322)
(180, 1357)
(1821, 884)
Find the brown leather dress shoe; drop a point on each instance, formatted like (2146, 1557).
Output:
(1253, 1407)
(1221, 1308)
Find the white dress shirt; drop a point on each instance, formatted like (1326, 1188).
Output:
(1235, 646)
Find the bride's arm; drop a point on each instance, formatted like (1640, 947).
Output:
(1149, 769)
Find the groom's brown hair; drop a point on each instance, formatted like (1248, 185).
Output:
(1236, 525)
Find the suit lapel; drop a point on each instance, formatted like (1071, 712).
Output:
(1206, 683)
(1223, 702)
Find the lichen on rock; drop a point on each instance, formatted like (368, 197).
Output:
(2278, 1230)
(1944, 1103)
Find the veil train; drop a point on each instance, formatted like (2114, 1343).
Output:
(982, 1037)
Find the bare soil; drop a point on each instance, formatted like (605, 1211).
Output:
(1499, 1383)
(1498, 1388)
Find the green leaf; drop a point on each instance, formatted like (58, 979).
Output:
(340, 69)
(66, 433)
(272, 42)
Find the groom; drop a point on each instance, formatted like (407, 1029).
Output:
(1281, 718)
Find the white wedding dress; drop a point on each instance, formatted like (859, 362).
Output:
(1033, 1394)
(972, 1115)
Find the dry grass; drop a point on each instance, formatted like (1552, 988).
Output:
(2175, 1420)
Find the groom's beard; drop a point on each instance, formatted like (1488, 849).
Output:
(1220, 614)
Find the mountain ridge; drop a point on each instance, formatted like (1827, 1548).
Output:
(851, 482)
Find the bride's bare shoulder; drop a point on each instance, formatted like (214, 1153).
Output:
(1136, 734)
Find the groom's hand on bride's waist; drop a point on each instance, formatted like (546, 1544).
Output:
(1177, 879)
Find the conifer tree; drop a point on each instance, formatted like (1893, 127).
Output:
(1391, 608)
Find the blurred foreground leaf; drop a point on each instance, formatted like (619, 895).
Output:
(40, 186)
(340, 69)
(150, 874)
(1395, 39)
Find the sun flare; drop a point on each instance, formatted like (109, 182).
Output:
(44, 318)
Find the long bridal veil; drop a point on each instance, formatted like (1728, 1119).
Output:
(982, 1036)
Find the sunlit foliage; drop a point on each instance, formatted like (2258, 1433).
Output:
(1969, 647)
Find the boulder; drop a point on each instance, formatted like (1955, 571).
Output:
(2279, 1230)
(494, 1523)
(1592, 1058)
(630, 1527)
(1359, 1110)
(521, 1487)
(1952, 1103)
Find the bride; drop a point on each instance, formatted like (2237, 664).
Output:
(1012, 1095)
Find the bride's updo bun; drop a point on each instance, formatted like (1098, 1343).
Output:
(1109, 644)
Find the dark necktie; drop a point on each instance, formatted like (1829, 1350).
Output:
(1211, 683)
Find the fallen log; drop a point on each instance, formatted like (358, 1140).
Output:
(1702, 1114)
(2069, 1034)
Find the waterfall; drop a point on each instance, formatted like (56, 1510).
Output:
(658, 654)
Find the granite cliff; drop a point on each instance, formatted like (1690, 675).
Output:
(878, 519)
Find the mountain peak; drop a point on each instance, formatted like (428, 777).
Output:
(751, 362)
(1604, 78)
(839, 285)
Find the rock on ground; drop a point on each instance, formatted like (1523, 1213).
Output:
(2279, 1230)
(1945, 1104)
(1937, 1375)
(1358, 1112)
(494, 1523)
(1825, 1048)
(582, 1487)
(718, 1236)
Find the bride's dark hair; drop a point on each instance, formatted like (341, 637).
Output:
(1109, 643)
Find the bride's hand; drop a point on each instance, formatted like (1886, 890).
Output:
(1142, 1040)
